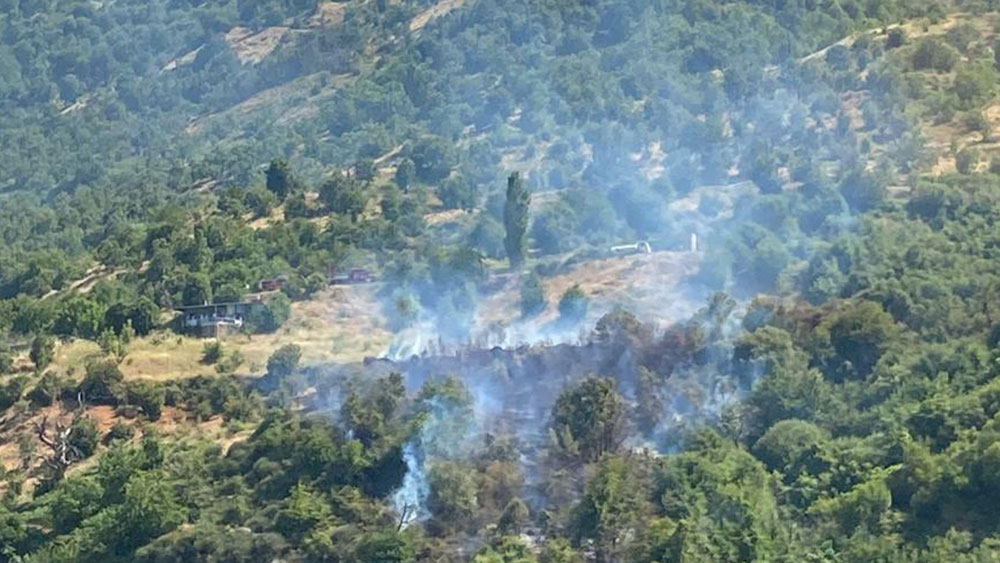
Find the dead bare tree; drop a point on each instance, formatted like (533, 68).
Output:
(60, 440)
(405, 516)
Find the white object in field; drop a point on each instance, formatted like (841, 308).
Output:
(641, 247)
(694, 242)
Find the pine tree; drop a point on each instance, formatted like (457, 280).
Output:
(515, 218)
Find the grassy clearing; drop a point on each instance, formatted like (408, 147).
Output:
(339, 325)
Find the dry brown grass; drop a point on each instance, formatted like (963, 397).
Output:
(18, 426)
(251, 47)
(329, 14)
(436, 11)
(338, 325)
(639, 283)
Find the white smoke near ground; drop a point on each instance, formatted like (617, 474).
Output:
(410, 501)
(512, 389)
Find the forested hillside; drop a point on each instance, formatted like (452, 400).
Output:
(818, 180)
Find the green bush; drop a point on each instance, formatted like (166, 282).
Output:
(574, 304)
(48, 389)
(933, 54)
(147, 396)
(211, 352)
(284, 361)
(533, 300)
(119, 431)
(42, 350)
(102, 383)
(84, 435)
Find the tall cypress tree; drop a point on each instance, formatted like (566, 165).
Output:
(279, 179)
(515, 218)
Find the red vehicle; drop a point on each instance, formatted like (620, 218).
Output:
(355, 275)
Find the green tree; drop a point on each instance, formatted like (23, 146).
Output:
(284, 361)
(303, 511)
(863, 190)
(280, 180)
(573, 305)
(273, 314)
(933, 54)
(973, 83)
(896, 38)
(790, 446)
(48, 389)
(343, 195)
(610, 507)
(197, 290)
(80, 317)
(452, 497)
(966, 161)
(150, 508)
(457, 192)
(296, 206)
(6, 356)
(102, 383)
(42, 351)
(589, 419)
(84, 435)
(211, 352)
(533, 299)
(406, 171)
(515, 516)
(558, 550)
(515, 219)
(433, 159)
(384, 547)
(147, 396)
(859, 336)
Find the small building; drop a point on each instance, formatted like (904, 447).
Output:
(272, 284)
(216, 318)
(355, 275)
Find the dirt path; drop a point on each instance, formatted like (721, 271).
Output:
(436, 11)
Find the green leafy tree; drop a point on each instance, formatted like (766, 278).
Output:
(515, 516)
(966, 161)
(385, 547)
(457, 192)
(272, 315)
(863, 190)
(452, 497)
(197, 290)
(102, 383)
(42, 351)
(6, 356)
(933, 54)
(610, 507)
(84, 435)
(48, 389)
(284, 361)
(791, 446)
(859, 336)
(343, 195)
(148, 397)
(433, 159)
(406, 172)
(296, 207)
(280, 180)
(589, 419)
